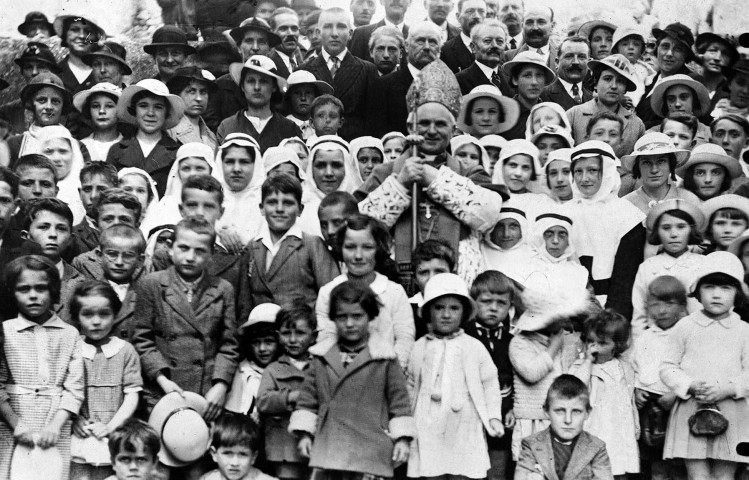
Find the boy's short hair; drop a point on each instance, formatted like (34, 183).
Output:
(434, 249)
(36, 263)
(102, 169)
(739, 120)
(668, 289)
(232, 429)
(684, 118)
(197, 225)
(609, 323)
(130, 434)
(35, 160)
(117, 195)
(7, 176)
(492, 281)
(567, 386)
(603, 116)
(282, 183)
(354, 292)
(205, 183)
(323, 100)
(90, 288)
(36, 205)
(350, 205)
(123, 231)
(296, 310)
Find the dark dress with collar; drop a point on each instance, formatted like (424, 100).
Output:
(127, 153)
(277, 128)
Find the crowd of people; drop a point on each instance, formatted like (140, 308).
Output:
(331, 249)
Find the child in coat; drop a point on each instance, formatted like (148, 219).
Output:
(113, 380)
(41, 372)
(705, 365)
(359, 386)
(611, 381)
(280, 388)
(454, 388)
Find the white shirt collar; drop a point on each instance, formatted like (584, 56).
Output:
(61, 268)
(286, 59)
(398, 26)
(518, 39)
(109, 349)
(568, 86)
(265, 238)
(443, 30)
(466, 40)
(257, 122)
(120, 289)
(414, 71)
(21, 323)
(326, 56)
(487, 71)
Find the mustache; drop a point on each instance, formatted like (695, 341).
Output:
(495, 51)
(535, 32)
(575, 68)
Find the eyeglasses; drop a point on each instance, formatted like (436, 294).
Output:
(114, 255)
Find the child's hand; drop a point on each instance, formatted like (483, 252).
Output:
(696, 387)
(99, 430)
(293, 398)
(80, 427)
(641, 396)
(498, 430)
(510, 419)
(47, 438)
(23, 435)
(169, 386)
(400, 451)
(215, 397)
(305, 446)
(667, 401)
(715, 392)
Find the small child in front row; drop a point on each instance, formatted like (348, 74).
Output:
(454, 386)
(359, 385)
(133, 448)
(41, 369)
(666, 305)
(326, 114)
(706, 365)
(494, 294)
(112, 368)
(280, 389)
(611, 381)
(564, 450)
(234, 448)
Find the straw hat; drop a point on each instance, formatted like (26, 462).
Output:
(529, 58)
(654, 143)
(444, 284)
(260, 64)
(703, 96)
(738, 244)
(554, 131)
(263, 313)
(157, 88)
(711, 153)
(303, 77)
(185, 437)
(721, 262)
(509, 106)
(618, 63)
(700, 220)
(587, 28)
(629, 31)
(729, 200)
(62, 24)
(80, 98)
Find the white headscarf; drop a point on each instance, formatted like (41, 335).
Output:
(350, 181)
(298, 141)
(364, 142)
(149, 218)
(460, 140)
(546, 221)
(241, 209)
(554, 106)
(275, 156)
(389, 136)
(68, 186)
(514, 261)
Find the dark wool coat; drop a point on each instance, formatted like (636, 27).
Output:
(127, 153)
(277, 128)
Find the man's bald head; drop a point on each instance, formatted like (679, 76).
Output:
(537, 25)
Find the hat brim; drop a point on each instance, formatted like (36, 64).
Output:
(629, 161)
(703, 96)
(60, 20)
(88, 59)
(736, 246)
(659, 34)
(237, 35)
(323, 88)
(471, 303)
(597, 66)
(164, 408)
(690, 208)
(710, 37)
(235, 70)
(80, 98)
(587, 28)
(32, 88)
(53, 67)
(177, 106)
(568, 140)
(725, 201)
(510, 67)
(731, 165)
(22, 28)
(510, 106)
(152, 48)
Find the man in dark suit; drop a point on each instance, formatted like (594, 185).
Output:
(572, 66)
(511, 14)
(437, 12)
(352, 78)
(538, 23)
(362, 11)
(395, 10)
(286, 55)
(386, 46)
(423, 47)
(488, 44)
(456, 53)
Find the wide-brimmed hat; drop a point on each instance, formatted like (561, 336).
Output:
(700, 92)
(260, 64)
(303, 77)
(35, 18)
(711, 153)
(720, 262)
(111, 50)
(685, 206)
(39, 52)
(169, 36)
(728, 200)
(265, 313)
(47, 79)
(62, 23)
(543, 307)
(183, 75)
(728, 41)
(529, 58)
(156, 87)
(654, 143)
(618, 63)
(587, 28)
(679, 32)
(185, 437)
(509, 106)
(80, 98)
(36, 462)
(736, 246)
(627, 31)
(554, 131)
(253, 23)
(444, 284)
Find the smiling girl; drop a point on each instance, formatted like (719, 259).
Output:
(99, 106)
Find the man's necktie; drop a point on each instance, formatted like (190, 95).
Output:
(334, 68)
(576, 94)
(513, 44)
(495, 79)
(540, 52)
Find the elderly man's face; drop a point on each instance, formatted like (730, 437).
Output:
(472, 13)
(436, 125)
(423, 47)
(572, 62)
(386, 54)
(489, 45)
(537, 26)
